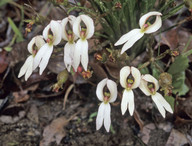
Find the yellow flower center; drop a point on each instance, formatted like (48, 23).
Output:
(106, 97)
(34, 50)
(145, 26)
(151, 88)
(50, 37)
(83, 33)
(70, 36)
(130, 81)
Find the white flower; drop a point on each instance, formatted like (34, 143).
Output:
(33, 47)
(83, 32)
(129, 79)
(149, 85)
(68, 35)
(52, 35)
(145, 27)
(106, 92)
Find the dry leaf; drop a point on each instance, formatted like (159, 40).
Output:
(33, 114)
(21, 96)
(145, 133)
(3, 61)
(176, 138)
(98, 71)
(12, 114)
(113, 69)
(56, 64)
(169, 38)
(54, 132)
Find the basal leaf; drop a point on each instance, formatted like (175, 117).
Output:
(179, 65)
(177, 70)
(3, 2)
(16, 30)
(170, 100)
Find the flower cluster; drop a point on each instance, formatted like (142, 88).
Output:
(130, 78)
(70, 29)
(76, 31)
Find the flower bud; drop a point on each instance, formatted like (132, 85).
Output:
(87, 74)
(165, 81)
(61, 79)
(118, 5)
(174, 53)
(98, 56)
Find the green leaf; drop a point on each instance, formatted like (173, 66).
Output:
(179, 85)
(171, 101)
(155, 71)
(177, 70)
(179, 65)
(93, 115)
(173, 11)
(16, 30)
(8, 49)
(112, 129)
(144, 70)
(3, 2)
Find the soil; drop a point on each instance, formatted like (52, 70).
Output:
(81, 130)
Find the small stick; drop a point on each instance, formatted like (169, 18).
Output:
(66, 95)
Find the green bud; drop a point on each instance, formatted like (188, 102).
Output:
(62, 76)
(61, 79)
(188, 3)
(165, 79)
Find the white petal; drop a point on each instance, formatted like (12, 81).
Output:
(131, 104)
(137, 77)
(25, 66)
(77, 55)
(150, 78)
(107, 116)
(76, 26)
(39, 41)
(124, 73)
(155, 26)
(131, 41)
(127, 36)
(124, 102)
(29, 69)
(163, 102)
(112, 86)
(158, 104)
(45, 59)
(89, 25)
(68, 55)
(63, 25)
(143, 87)
(56, 30)
(100, 116)
(30, 45)
(99, 89)
(40, 55)
(127, 101)
(84, 53)
(71, 19)
(45, 31)
(144, 18)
